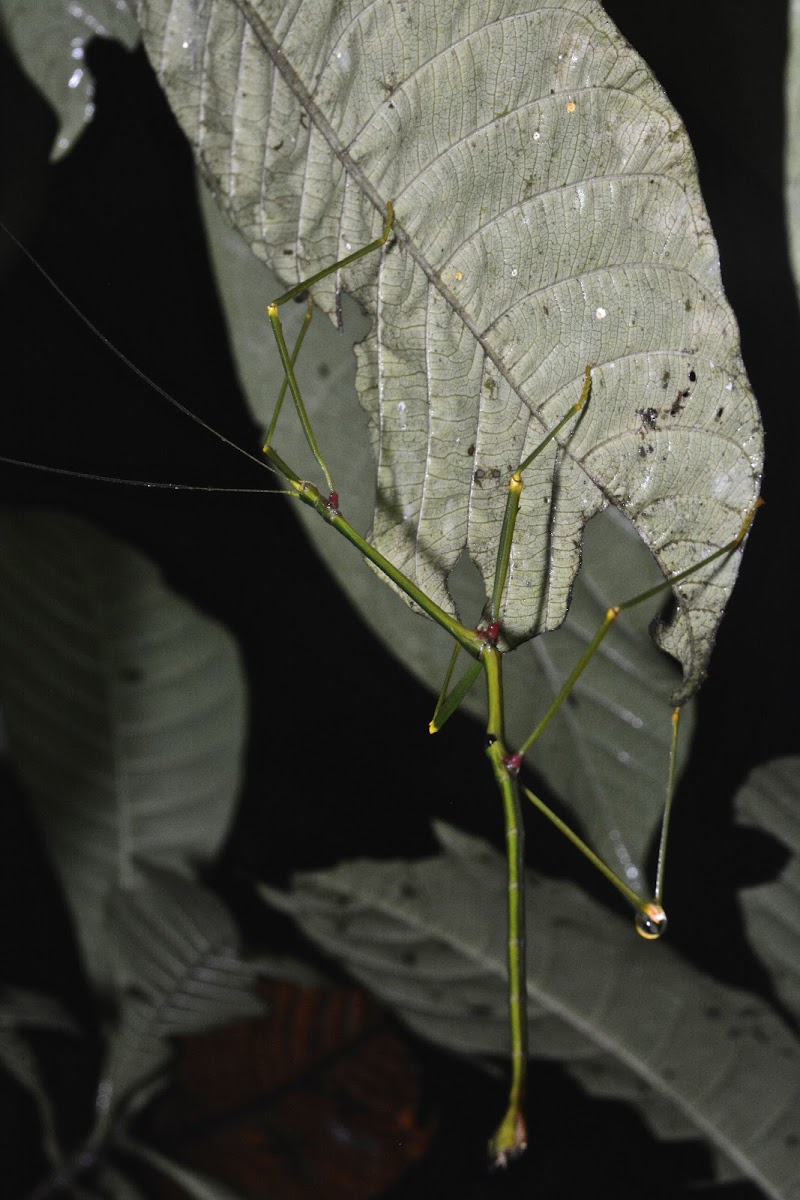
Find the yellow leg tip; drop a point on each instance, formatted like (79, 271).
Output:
(748, 521)
(511, 1138)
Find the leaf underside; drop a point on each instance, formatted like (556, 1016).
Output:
(606, 753)
(178, 970)
(548, 217)
(126, 711)
(693, 1054)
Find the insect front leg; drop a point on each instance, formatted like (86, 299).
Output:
(288, 359)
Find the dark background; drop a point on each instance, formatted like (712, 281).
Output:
(131, 256)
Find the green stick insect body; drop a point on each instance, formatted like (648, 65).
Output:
(482, 644)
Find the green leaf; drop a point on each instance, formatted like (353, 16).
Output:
(178, 970)
(770, 801)
(415, 936)
(50, 39)
(176, 946)
(548, 216)
(125, 708)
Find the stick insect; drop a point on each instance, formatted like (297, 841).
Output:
(482, 644)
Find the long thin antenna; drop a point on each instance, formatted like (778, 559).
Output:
(165, 395)
(144, 483)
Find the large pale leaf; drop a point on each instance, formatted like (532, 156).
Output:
(427, 938)
(125, 708)
(548, 217)
(770, 801)
(609, 769)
